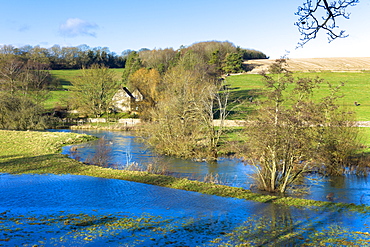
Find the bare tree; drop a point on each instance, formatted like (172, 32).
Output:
(102, 155)
(182, 120)
(214, 104)
(321, 14)
(10, 71)
(93, 90)
(19, 112)
(293, 132)
(177, 120)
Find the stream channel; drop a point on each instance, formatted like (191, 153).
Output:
(68, 210)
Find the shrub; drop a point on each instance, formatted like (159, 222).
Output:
(20, 113)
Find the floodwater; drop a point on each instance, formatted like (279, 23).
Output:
(70, 210)
(125, 149)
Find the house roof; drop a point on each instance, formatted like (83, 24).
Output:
(128, 92)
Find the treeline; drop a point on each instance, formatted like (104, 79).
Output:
(217, 57)
(57, 57)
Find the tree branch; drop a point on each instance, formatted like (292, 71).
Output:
(321, 14)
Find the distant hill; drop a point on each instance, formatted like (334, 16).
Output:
(313, 64)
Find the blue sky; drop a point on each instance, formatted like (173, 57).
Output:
(265, 25)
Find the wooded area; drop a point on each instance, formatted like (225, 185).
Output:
(57, 57)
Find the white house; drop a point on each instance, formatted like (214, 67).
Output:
(126, 101)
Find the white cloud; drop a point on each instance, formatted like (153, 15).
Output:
(76, 27)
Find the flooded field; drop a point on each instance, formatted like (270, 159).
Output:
(125, 150)
(71, 210)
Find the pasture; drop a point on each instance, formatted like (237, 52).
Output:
(356, 89)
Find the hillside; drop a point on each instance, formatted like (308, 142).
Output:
(343, 64)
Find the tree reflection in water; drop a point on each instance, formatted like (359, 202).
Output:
(287, 226)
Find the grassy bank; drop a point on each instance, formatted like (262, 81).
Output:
(39, 153)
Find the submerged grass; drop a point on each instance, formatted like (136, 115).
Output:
(284, 230)
(39, 153)
(127, 229)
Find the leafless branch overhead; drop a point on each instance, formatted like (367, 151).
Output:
(315, 15)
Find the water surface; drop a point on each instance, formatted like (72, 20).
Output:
(71, 210)
(125, 149)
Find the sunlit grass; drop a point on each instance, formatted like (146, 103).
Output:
(65, 77)
(356, 88)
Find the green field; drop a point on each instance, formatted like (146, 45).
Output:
(356, 88)
(65, 78)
